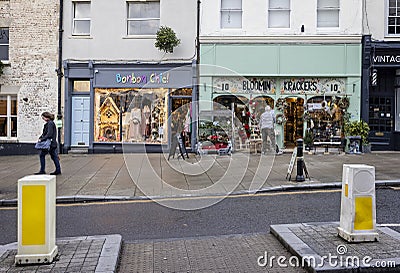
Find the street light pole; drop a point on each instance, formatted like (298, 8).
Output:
(59, 73)
(196, 96)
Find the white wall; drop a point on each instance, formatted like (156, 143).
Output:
(375, 17)
(108, 39)
(304, 12)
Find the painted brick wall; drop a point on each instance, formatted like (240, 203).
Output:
(33, 31)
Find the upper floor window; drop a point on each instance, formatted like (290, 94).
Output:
(8, 116)
(143, 17)
(4, 44)
(231, 13)
(279, 14)
(328, 13)
(81, 20)
(393, 23)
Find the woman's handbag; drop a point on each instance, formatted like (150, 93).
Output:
(43, 145)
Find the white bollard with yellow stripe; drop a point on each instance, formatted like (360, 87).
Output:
(358, 209)
(36, 220)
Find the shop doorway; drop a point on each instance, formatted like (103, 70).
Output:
(80, 120)
(241, 115)
(293, 128)
(381, 121)
(181, 115)
(382, 110)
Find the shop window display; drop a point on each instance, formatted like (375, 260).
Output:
(246, 114)
(215, 128)
(131, 115)
(325, 117)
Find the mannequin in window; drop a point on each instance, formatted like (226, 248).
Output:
(146, 121)
(134, 125)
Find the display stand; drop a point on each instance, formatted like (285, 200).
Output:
(177, 143)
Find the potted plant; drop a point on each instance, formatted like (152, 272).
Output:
(166, 39)
(359, 128)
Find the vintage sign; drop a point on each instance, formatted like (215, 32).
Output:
(386, 59)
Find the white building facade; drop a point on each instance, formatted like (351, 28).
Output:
(119, 88)
(381, 73)
(292, 55)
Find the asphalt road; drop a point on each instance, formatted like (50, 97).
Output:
(141, 220)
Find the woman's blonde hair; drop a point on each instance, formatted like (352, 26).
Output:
(48, 115)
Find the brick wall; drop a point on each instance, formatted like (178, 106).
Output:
(33, 30)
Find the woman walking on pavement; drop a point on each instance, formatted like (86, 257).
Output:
(49, 132)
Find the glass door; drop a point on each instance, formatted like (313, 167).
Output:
(381, 120)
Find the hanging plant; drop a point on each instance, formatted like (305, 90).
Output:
(166, 39)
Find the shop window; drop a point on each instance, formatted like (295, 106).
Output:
(231, 13)
(81, 18)
(182, 92)
(8, 116)
(324, 116)
(279, 14)
(131, 115)
(81, 86)
(328, 13)
(393, 19)
(143, 17)
(4, 44)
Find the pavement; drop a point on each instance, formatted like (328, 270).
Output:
(103, 177)
(318, 246)
(134, 176)
(75, 254)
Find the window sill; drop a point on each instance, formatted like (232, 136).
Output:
(140, 37)
(328, 30)
(392, 36)
(80, 37)
(5, 62)
(231, 29)
(8, 140)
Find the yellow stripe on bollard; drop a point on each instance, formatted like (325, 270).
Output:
(33, 214)
(363, 219)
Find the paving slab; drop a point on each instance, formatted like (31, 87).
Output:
(226, 253)
(318, 247)
(97, 254)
